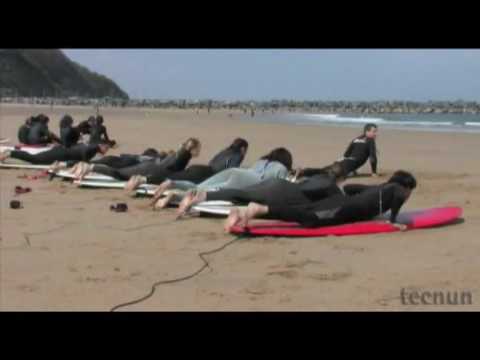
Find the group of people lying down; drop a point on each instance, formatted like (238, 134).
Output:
(270, 188)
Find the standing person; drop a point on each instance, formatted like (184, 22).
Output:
(358, 152)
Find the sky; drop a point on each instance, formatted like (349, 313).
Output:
(298, 74)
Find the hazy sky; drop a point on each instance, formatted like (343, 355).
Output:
(324, 74)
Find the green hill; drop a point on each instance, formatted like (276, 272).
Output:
(51, 73)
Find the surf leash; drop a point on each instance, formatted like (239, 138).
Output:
(206, 264)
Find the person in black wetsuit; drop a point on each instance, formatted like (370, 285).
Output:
(173, 162)
(39, 133)
(358, 152)
(80, 152)
(24, 130)
(98, 132)
(230, 157)
(115, 162)
(362, 203)
(311, 189)
(69, 134)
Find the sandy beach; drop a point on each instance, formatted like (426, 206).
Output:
(65, 250)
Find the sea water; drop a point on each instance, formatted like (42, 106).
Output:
(425, 122)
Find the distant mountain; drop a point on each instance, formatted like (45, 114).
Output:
(51, 73)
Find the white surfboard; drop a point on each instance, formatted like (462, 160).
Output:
(31, 150)
(89, 177)
(211, 209)
(24, 166)
(109, 184)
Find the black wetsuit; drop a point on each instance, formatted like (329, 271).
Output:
(80, 152)
(358, 152)
(69, 136)
(39, 134)
(280, 192)
(124, 160)
(369, 202)
(23, 134)
(225, 159)
(171, 163)
(98, 134)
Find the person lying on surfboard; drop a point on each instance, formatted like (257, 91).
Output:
(231, 157)
(364, 203)
(358, 152)
(116, 162)
(311, 189)
(175, 161)
(276, 164)
(72, 155)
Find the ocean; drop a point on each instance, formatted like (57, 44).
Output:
(419, 122)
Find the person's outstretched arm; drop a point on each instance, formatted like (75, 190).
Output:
(373, 155)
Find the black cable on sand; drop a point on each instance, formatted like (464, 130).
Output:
(163, 282)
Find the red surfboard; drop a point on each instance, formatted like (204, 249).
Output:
(417, 219)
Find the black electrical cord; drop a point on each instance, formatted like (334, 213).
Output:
(163, 282)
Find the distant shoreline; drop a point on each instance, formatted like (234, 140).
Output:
(256, 107)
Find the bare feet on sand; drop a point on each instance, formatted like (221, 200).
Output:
(133, 183)
(189, 200)
(160, 190)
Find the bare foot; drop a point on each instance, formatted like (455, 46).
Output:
(4, 156)
(233, 219)
(189, 200)
(160, 190)
(162, 203)
(253, 210)
(85, 169)
(132, 183)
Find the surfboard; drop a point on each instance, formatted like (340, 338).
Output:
(418, 219)
(221, 208)
(109, 184)
(33, 150)
(4, 141)
(89, 177)
(24, 166)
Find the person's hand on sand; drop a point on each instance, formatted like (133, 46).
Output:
(4, 156)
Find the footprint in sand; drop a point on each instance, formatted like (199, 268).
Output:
(288, 274)
(28, 288)
(334, 276)
(258, 288)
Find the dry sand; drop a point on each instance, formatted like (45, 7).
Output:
(66, 251)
